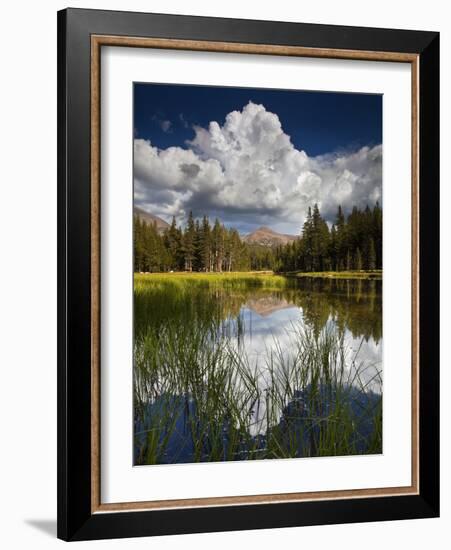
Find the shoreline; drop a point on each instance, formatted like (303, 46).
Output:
(375, 275)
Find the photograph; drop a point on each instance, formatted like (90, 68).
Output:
(257, 273)
(248, 297)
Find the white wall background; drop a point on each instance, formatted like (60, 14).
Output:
(28, 271)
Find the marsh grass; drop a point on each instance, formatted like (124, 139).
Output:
(200, 397)
(237, 279)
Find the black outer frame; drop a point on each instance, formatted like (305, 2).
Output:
(75, 520)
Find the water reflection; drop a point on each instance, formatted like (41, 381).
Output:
(238, 372)
(268, 322)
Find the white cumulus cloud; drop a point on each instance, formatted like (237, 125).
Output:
(248, 173)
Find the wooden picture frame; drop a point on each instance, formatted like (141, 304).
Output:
(81, 35)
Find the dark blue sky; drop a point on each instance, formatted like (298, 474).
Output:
(245, 173)
(317, 122)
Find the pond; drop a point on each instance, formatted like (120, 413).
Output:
(240, 367)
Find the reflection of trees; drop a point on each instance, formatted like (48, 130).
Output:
(352, 304)
(199, 305)
(355, 305)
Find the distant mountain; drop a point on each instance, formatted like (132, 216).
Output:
(265, 236)
(151, 219)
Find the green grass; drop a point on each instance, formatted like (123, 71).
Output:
(196, 392)
(373, 274)
(264, 279)
(211, 388)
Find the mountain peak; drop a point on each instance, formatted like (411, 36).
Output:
(150, 219)
(266, 229)
(265, 236)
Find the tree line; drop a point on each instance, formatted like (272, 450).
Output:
(351, 243)
(199, 247)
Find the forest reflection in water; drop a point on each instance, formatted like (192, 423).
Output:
(267, 319)
(245, 369)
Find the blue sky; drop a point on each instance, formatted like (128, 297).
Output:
(317, 122)
(242, 153)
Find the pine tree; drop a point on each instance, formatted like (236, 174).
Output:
(371, 256)
(341, 244)
(205, 245)
(316, 239)
(348, 265)
(307, 241)
(358, 260)
(197, 262)
(189, 243)
(333, 249)
(217, 236)
(173, 244)
(138, 244)
(377, 234)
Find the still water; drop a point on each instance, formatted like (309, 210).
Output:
(234, 372)
(270, 321)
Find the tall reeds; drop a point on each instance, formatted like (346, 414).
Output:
(199, 396)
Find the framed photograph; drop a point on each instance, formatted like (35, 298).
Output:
(248, 274)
